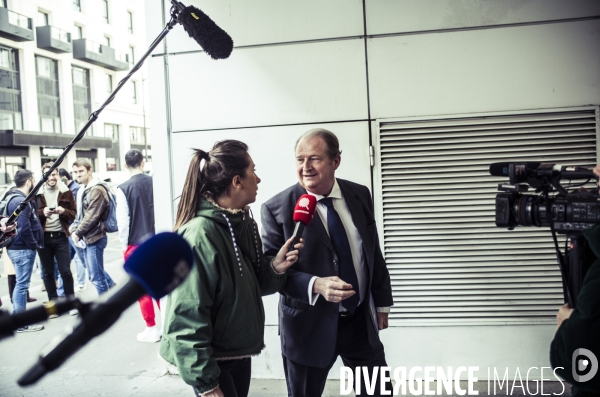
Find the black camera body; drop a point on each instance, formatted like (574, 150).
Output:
(566, 212)
(570, 213)
(563, 211)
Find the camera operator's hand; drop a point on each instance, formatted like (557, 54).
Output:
(563, 313)
(597, 172)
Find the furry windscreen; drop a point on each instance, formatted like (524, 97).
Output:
(213, 40)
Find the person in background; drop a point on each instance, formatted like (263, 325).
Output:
(56, 211)
(135, 219)
(79, 266)
(88, 228)
(30, 237)
(71, 184)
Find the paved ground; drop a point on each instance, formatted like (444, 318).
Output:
(115, 363)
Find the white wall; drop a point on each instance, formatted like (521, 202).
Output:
(424, 57)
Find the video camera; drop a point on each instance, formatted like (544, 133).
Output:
(565, 211)
(568, 212)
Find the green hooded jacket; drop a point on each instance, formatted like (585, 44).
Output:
(217, 313)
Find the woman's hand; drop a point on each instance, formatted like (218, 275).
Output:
(214, 393)
(285, 259)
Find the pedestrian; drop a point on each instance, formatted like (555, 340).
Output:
(79, 266)
(29, 238)
(135, 219)
(56, 211)
(88, 230)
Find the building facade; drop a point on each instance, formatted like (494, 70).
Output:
(59, 61)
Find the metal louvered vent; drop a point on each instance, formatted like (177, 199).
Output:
(448, 261)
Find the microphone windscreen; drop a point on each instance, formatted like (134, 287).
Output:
(213, 40)
(305, 208)
(160, 264)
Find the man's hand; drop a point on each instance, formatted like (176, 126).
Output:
(382, 320)
(333, 288)
(47, 212)
(214, 393)
(563, 313)
(59, 210)
(75, 238)
(285, 259)
(6, 229)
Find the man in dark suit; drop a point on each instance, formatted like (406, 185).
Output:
(337, 296)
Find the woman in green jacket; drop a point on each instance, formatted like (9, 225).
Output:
(215, 320)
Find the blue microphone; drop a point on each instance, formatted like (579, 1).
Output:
(156, 267)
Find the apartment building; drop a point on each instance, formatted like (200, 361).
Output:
(59, 61)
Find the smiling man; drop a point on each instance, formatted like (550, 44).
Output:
(337, 296)
(56, 211)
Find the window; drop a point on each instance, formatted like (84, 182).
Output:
(82, 106)
(130, 21)
(105, 10)
(131, 55)
(133, 92)
(136, 134)
(10, 90)
(78, 32)
(77, 5)
(109, 83)
(48, 95)
(113, 155)
(42, 18)
(106, 41)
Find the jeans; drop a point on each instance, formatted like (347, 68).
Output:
(23, 261)
(93, 259)
(78, 263)
(56, 247)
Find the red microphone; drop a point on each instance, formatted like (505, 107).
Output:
(303, 214)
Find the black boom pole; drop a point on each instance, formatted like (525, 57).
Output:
(214, 41)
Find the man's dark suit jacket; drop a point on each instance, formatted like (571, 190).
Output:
(308, 333)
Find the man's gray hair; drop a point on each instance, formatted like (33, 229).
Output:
(331, 141)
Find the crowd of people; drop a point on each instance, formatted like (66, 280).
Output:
(335, 289)
(65, 222)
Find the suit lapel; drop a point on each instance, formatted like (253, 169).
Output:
(316, 226)
(355, 207)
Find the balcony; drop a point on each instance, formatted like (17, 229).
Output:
(15, 26)
(53, 39)
(98, 54)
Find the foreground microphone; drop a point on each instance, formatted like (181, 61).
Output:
(213, 40)
(303, 214)
(10, 323)
(156, 267)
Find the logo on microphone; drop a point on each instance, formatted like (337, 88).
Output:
(584, 365)
(303, 202)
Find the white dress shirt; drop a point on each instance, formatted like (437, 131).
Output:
(356, 243)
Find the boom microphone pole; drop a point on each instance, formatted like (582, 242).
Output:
(213, 40)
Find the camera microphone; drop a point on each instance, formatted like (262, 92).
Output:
(503, 169)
